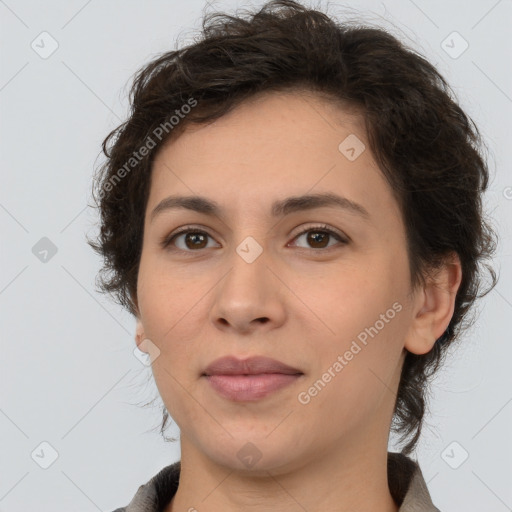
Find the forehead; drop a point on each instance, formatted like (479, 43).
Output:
(276, 120)
(272, 146)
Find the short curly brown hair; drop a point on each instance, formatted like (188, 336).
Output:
(429, 150)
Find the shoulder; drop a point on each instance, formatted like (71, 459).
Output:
(407, 485)
(156, 492)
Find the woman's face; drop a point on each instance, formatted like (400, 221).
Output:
(264, 281)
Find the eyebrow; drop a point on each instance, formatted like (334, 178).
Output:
(280, 208)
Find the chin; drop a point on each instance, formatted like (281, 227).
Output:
(252, 454)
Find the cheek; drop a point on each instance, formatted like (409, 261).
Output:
(366, 318)
(357, 297)
(166, 301)
(355, 375)
(168, 321)
(171, 322)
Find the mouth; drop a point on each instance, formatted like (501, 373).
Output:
(249, 379)
(255, 365)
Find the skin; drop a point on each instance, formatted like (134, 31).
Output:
(300, 303)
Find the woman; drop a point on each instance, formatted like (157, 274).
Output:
(292, 213)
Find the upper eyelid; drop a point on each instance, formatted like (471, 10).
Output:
(321, 228)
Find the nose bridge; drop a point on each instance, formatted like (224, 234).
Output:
(247, 292)
(248, 263)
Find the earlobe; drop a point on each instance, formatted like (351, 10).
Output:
(434, 307)
(139, 333)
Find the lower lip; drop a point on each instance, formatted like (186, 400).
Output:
(248, 388)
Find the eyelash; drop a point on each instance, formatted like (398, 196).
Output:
(167, 240)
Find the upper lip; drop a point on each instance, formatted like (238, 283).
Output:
(231, 365)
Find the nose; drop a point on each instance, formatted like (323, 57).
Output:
(249, 297)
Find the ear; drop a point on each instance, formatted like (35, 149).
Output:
(139, 333)
(434, 306)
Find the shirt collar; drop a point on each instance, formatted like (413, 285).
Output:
(405, 478)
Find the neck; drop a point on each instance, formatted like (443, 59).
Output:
(353, 477)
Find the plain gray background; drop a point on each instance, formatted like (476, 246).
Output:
(68, 375)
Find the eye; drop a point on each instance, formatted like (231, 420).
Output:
(192, 240)
(318, 236)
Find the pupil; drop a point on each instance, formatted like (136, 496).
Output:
(318, 237)
(194, 237)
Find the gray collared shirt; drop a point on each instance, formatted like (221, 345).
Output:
(406, 484)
